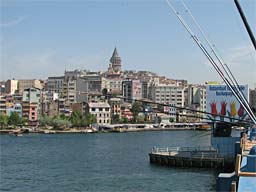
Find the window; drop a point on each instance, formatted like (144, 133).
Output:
(93, 109)
(100, 109)
(106, 109)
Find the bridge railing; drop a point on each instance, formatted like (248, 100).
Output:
(184, 149)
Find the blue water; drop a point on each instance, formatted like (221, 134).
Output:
(98, 162)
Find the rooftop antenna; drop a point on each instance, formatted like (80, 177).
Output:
(200, 45)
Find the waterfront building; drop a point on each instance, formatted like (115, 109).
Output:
(54, 84)
(11, 86)
(131, 89)
(17, 107)
(30, 112)
(169, 94)
(126, 111)
(31, 105)
(115, 104)
(101, 111)
(28, 83)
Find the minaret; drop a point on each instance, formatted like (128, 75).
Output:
(115, 60)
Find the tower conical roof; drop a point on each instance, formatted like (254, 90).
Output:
(115, 53)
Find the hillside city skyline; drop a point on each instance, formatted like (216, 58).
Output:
(39, 39)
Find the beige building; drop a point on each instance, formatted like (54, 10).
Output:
(11, 86)
(169, 94)
(28, 83)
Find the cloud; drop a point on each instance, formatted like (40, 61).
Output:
(241, 55)
(36, 65)
(13, 22)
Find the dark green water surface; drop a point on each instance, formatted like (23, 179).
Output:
(98, 162)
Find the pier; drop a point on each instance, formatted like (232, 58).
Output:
(204, 157)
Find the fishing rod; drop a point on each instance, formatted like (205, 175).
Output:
(222, 63)
(167, 105)
(200, 45)
(176, 107)
(249, 31)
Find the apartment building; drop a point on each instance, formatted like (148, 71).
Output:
(28, 83)
(131, 89)
(168, 94)
(11, 86)
(101, 111)
(55, 84)
(31, 105)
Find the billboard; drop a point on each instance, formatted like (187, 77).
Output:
(221, 101)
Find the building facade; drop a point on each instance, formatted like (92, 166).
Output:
(28, 83)
(11, 86)
(101, 111)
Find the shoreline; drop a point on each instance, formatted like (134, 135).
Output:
(85, 131)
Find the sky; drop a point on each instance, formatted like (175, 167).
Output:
(42, 38)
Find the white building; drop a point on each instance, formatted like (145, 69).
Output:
(168, 94)
(101, 111)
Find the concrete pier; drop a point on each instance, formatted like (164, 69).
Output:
(205, 157)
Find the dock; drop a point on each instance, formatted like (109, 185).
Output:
(203, 157)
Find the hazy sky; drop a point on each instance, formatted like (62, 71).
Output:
(41, 38)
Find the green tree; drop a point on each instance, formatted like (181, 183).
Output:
(171, 119)
(14, 119)
(115, 118)
(135, 110)
(90, 119)
(76, 118)
(104, 91)
(3, 120)
(60, 124)
(45, 120)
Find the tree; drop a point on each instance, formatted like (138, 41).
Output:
(45, 120)
(90, 119)
(104, 91)
(76, 118)
(3, 120)
(60, 124)
(14, 119)
(135, 110)
(115, 118)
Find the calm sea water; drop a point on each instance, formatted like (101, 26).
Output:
(98, 162)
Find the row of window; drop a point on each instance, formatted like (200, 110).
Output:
(99, 109)
(104, 121)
